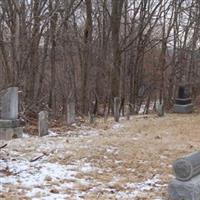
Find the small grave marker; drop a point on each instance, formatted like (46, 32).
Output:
(116, 108)
(71, 113)
(43, 123)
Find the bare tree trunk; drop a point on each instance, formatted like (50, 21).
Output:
(87, 62)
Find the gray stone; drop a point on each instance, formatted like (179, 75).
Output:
(10, 133)
(9, 104)
(43, 123)
(185, 101)
(71, 115)
(160, 109)
(116, 108)
(189, 190)
(127, 112)
(4, 123)
(187, 167)
(183, 108)
(91, 118)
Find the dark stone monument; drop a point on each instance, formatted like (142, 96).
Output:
(183, 102)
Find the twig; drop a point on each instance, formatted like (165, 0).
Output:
(37, 158)
(3, 146)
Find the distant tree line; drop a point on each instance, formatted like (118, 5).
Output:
(90, 51)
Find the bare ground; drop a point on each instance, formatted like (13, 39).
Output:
(128, 160)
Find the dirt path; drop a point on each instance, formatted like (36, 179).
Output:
(129, 160)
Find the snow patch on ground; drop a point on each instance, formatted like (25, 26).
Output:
(34, 174)
(47, 178)
(39, 178)
(144, 186)
(117, 126)
(133, 190)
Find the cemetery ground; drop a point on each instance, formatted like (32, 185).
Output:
(127, 160)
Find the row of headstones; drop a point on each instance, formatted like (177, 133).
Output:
(43, 119)
(9, 110)
(43, 116)
(159, 109)
(9, 107)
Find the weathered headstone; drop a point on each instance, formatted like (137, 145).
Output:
(160, 109)
(187, 167)
(71, 113)
(9, 104)
(105, 115)
(141, 91)
(91, 117)
(116, 108)
(127, 112)
(43, 123)
(10, 126)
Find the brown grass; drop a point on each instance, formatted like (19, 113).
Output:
(144, 147)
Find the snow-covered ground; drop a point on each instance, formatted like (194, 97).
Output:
(129, 160)
(45, 180)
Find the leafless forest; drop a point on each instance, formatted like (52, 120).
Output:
(90, 51)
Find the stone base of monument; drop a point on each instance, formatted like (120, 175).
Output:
(185, 101)
(10, 129)
(183, 108)
(188, 190)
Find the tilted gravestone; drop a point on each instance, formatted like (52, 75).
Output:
(71, 112)
(9, 104)
(10, 125)
(43, 123)
(116, 108)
